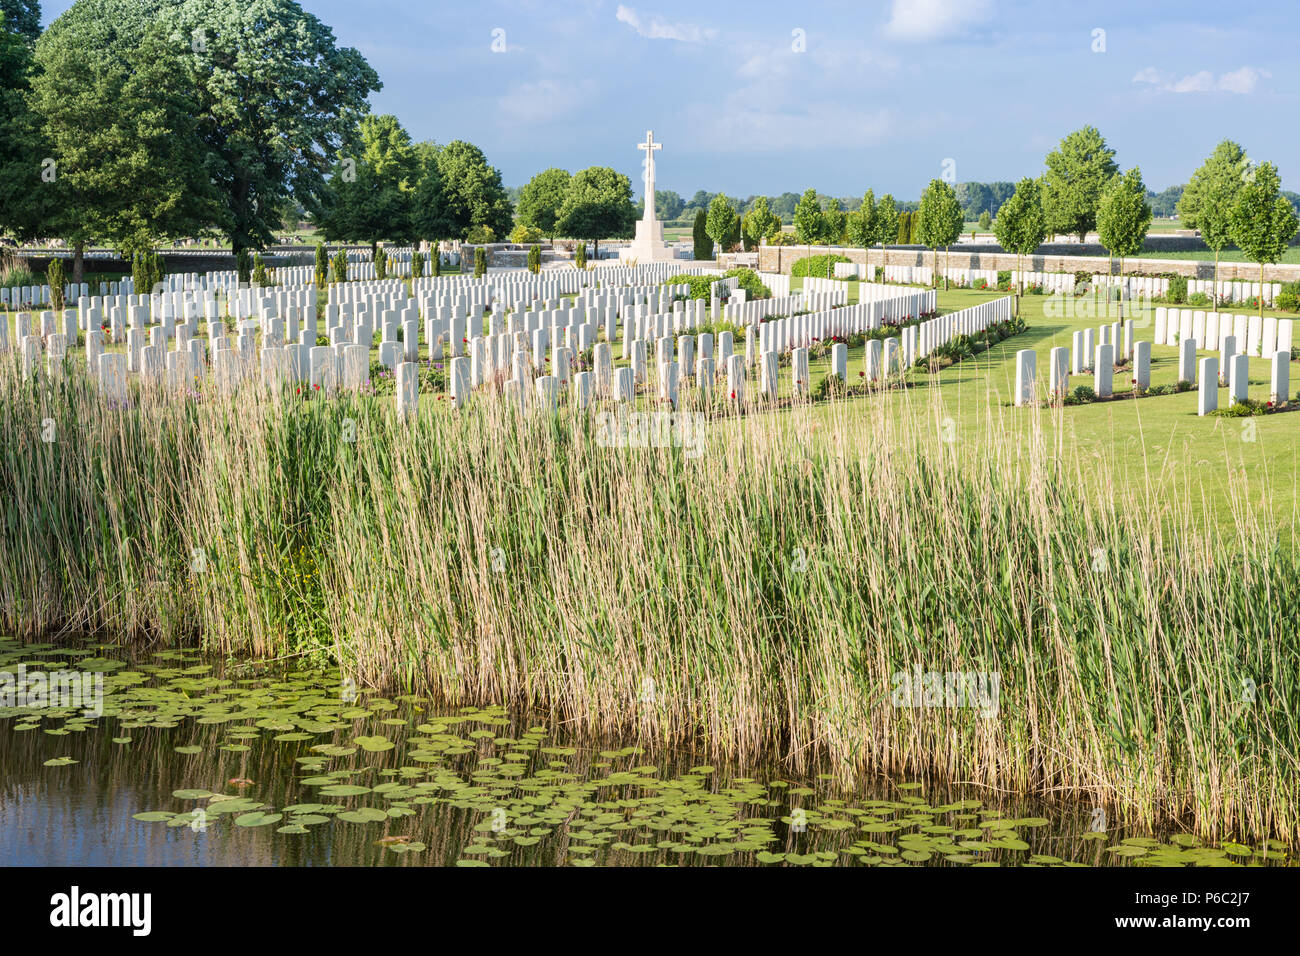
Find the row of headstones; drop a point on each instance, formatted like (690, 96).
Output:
(777, 282)
(47, 323)
(916, 302)
(1063, 282)
(1236, 366)
(801, 331)
(1233, 290)
(620, 384)
(242, 303)
(1258, 336)
(747, 311)
(909, 275)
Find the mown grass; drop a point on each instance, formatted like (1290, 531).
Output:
(756, 601)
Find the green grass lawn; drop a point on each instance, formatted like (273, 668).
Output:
(1158, 436)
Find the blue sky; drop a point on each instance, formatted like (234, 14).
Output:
(760, 97)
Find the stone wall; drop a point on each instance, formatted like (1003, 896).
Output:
(1061, 257)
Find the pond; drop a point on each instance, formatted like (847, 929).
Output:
(184, 760)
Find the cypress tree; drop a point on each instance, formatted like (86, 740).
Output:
(54, 276)
(700, 233)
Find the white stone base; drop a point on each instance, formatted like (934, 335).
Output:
(649, 245)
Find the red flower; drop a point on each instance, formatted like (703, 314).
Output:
(733, 395)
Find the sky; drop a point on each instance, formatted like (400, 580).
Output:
(766, 97)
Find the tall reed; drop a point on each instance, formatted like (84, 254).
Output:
(758, 599)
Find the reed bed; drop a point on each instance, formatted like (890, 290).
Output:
(756, 601)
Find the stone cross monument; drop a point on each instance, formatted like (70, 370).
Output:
(649, 245)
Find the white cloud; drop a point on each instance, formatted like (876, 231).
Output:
(1241, 81)
(934, 19)
(542, 101)
(655, 28)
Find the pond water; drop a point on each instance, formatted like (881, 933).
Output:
(186, 762)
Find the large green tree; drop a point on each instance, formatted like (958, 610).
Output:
(22, 18)
(278, 100)
(809, 219)
(886, 227)
(721, 221)
(862, 227)
(430, 216)
(1124, 216)
(1077, 172)
(542, 198)
(597, 206)
(369, 196)
(760, 222)
(939, 221)
(1021, 226)
(464, 193)
(21, 151)
(1207, 202)
(117, 112)
(1263, 220)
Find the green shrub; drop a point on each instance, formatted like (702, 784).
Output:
(1289, 298)
(1081, 395)
(534, 259)
(1198, 298)
(523, 235)
(435, 262)
(1004, 278)
(880, 273)
(700, 285)
(480, 262)
(417, 265)
(1177, 289)
(820, 267)
(580, 255)
(322, 266)
(259, 270)
(15, 272)
(750, 282)
(341, 266)
(55, 278)
(381, 264)
(1243, 408)
(243, 266)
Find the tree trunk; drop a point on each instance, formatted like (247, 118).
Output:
(1215, 295)
(78, 262)
(1261, 295)
(945, 268)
